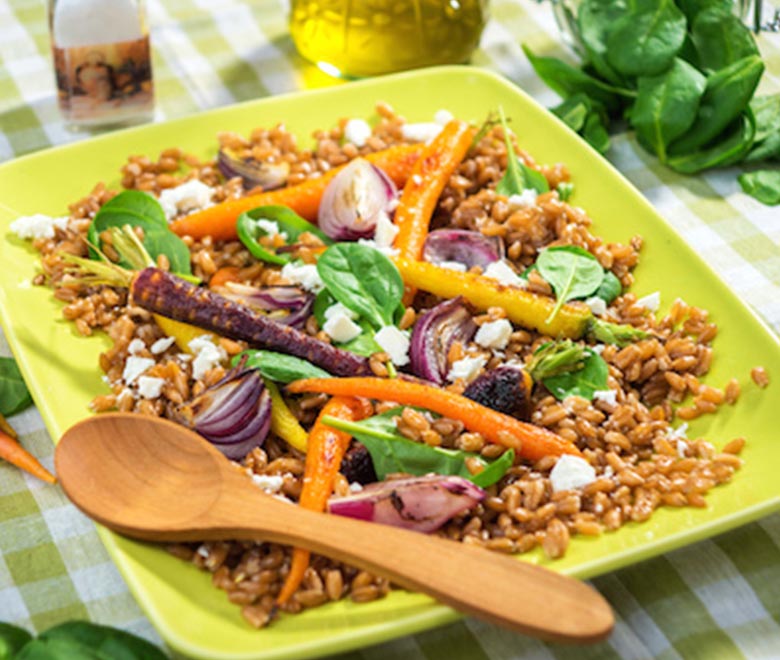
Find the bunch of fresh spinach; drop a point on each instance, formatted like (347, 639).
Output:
(75, 640)
(391, 452)
(683, 73)
(14, 396)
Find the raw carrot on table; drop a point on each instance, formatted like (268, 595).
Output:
(326, 448)
(219, 221)
(14, 453)
(529, 441)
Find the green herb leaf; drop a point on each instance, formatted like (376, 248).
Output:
(732, 148)
(280, 367)
(614, 333)
(764, 185)
(692, 8)
(363, 280)
(645, 40)
(584, 382)
(666, 105)
(571, 271)
(12, 639)
(518, 176)
(364, 344)
(766, 110)
(595, 133)
(289, 223)
(610, 287)
(587, 117)
(14, 396)
(721, 38)
(595, 20)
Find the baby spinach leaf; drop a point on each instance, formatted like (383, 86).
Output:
(595, 19)
(280, 367)
(169, 244)
(587, 117)
(14, 396)
(322, 301)
(645, 40)
(610, 287)
(726, 96)
(362, 279)
(732, 148)
(290, 223)
(666, 105)
(692, 8)
(571, 271)
(584, 382)
(721, 38)
(766, 110)
(764, 185)
(518, 175)
(364, 344)
(573, 111)
(12, 639)
(595, 133)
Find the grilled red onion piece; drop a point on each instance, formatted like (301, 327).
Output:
(252, 172)
(470, 248)
(234, 415)
(433, 335)
(422, 504)
(296, 301)
(354, 200)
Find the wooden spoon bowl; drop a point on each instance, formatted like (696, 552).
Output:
(154, 480)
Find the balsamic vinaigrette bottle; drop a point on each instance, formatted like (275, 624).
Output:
(102, 61)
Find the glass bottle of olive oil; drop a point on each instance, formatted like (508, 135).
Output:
(357, 38)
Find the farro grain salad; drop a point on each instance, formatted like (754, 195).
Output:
(408, 324)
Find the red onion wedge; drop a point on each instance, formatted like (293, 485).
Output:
(354, 200)
(433, 335)
(234, 415)
(288, 305)
(252, 172)
(470, 248)
(422, 504)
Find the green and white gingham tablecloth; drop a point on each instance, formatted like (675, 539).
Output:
(719, 599)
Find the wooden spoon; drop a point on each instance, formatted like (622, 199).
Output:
(155, 480)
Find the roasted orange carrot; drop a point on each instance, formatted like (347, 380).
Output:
(14, 453)
(219, 221)
(326, 448)
(5, 427)
(223, 276)
(529, 441)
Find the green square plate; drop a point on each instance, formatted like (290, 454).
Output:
(61, 367)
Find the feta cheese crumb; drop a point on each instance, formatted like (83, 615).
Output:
(270, 227)
(422, 132)
(149, 387)
(357, 131)
(29, 227)
(340, 328)
(305, 275)
(134, 367)
(597, 305)
(680, 433)
(598, 349)
(466, 368)
(524, 200)
(443, 117)
(136, 346)
(503, 273)
(606, 396)
(355, 487)
(453, 265)
(386, 250)
(162, 345)
(207, 355)
(385, 231)
(494, 334)
(571, 472)
(270, 483)
(395, 343)
(192, 195)
(650, 302)
(339, 309)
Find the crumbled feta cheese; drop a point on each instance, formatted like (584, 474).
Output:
(385, 231)
(422, 132)
(453, 265)
(524, 200)
(357, 131)
(134, 367)
(606, 396)
(270, 483)
(680, 433)
(184, 357)
(190, 196)
(207, 355)
(203, 551)
(339, 309)
(395, 343)
(443, 117)
(355, 487)
(503, 273)
(150, 388)
(682, 448)
(162, 345)
(340, 328)
(571, 472)
(126, 391)
(597, 305)
(386, 250)
(270, 227)
(494, 334)
(608, 471)
(305, 275)
(598, 349)
(466, 368)
(136, 346)
(38, 225)
(651, 302)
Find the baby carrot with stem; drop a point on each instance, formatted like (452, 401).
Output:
(14, 453)
(326, 448)
(219, 221)
(529, 441)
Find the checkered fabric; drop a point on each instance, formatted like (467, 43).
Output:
(718, 599)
